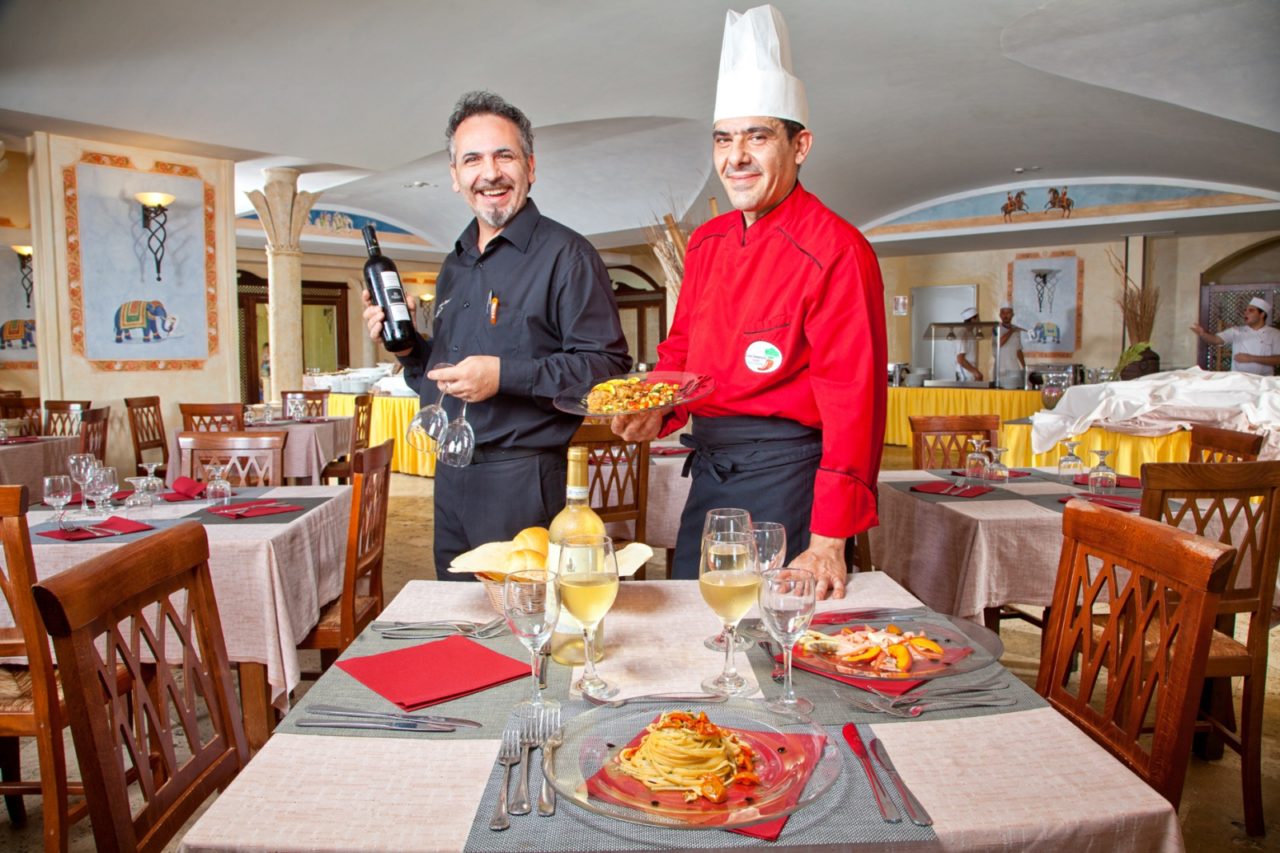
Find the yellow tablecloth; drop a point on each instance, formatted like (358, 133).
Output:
(1128, 452)
(904, 402)
(391, 419)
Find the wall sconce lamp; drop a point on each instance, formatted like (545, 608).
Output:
(155, 211)
(24, 264)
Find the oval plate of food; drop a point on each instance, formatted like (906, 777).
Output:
(631, 393)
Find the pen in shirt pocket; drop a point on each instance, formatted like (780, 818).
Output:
(493, 309)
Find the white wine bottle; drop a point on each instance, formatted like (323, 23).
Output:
(577, 517)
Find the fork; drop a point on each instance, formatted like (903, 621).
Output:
(549, 723)
(529, 738)
(508, 754)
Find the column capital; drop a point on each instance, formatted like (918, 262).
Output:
(282, 209)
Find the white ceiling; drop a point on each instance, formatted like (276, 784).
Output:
(910, 100)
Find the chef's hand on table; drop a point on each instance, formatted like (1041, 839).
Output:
(473, 379)
(373, 316)
(825, 558)
(642, 426)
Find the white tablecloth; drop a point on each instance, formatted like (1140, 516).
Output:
(308, 447)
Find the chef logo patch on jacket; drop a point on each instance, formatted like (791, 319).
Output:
(763, 357)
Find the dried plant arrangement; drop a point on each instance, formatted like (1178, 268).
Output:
(1138, 304)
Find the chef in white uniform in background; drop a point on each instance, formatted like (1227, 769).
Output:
(1255, 346)
(967, 349)
(1012, 366)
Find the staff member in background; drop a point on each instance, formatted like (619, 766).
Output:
(525, 310)
(782, 304)
(1012, 366)
(967, 349)
(1255, 346)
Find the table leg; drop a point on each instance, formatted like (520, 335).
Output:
(258, 713)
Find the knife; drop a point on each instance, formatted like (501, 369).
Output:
(888, 810)
(390, 725)
(915, 810)
(337, 711)
(836, 617)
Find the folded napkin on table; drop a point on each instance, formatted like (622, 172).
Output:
(115, 524)
(1121, 482)
(184, 489)
(77, 497)
(21, 439)
(1013, 472)
(669, 451)
(434, 672)
(253, 509)
(942, 486)
(1121, 502)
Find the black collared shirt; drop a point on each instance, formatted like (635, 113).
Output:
(557, 326)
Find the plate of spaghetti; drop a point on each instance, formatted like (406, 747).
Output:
(719, 767)
(631, 393)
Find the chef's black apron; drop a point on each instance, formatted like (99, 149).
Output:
(763, 465)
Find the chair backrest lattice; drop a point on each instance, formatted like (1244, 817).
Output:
(26, 409)
(62, 417)
(1213, 444)
(618, 476)
(94, 427)
(146, 426)
(315, 404)
(212, 417)
(1128, 636)
(362, 423)
(366, 539)
(251, 458)
(942, 441)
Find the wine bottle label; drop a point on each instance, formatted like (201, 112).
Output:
(397, 311)
(577, 493)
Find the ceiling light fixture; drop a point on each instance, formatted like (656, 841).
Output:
(155, 212)
(417, 185)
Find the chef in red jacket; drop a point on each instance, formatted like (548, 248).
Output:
(782, 304)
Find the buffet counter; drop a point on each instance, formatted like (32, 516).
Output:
(391, 419)
(1128, 452)
(904, 402)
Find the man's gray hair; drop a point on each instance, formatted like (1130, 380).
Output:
(482, 103)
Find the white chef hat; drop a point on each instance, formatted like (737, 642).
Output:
(1262, 305)
(1006, 306)
(968, 313)
(755, 69)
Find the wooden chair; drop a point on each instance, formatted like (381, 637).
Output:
(942, 441)
(340, 469)
(29, 410)
(618, 474)
(212, 417)
(173, 735)
(146, 427)
(1130, 679)
(1236, 503)
(315, 403)
(31, 704)
(342, 619)
(62, 417)
(252, 458)
(1211, 444)
(94, 426)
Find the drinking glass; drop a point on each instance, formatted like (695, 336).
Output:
(57, 493)
(1102, 479)
(429, 423)
(975, 464)
(100, 487)
(587, 584)
(79, 465)
(997, 472)
(217, 490)
(771, 544)
(531, 608)
(729, 578)
(250, 416)
(726, 519)
(787, 598)
(458, 442)
(1071, 465)
(138, 503)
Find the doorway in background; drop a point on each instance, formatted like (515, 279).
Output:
(324, 329)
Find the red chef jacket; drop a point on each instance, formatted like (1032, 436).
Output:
(788, 317)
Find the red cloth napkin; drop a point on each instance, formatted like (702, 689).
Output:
(434, 672)
(1120, 502)
(253, 509)
(115, 523)
(669, 451)
(1013, 472)
(1121, 482)
(941, 486)
(184, 489)
(21, 439)
(614, 786)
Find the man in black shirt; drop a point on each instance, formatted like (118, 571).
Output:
(524, 310)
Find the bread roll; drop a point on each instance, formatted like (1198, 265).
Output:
(524, 559)
(533, 539)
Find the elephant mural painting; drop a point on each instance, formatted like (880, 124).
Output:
(150, 317)
(1046, 333)
(18, 332)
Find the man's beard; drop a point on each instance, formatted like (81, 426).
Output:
(497, 218)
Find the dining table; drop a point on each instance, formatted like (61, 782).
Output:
(271, 574)
(1012, 777)
(309, 445)
(27, 460)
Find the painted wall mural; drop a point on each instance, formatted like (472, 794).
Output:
(129, 312)
(17, 317)
(336, 224)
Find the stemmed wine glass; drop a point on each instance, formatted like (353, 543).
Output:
(57, 493)
(1071, 465)
(975, 464)
(1102, 479)
(429, 423)
(771, 544)
(141, 500)
(100, 487)
(458, 442)
(79, 466)
(531, 608)
(587, 584)
(217, 489)
(997, 472)
(729, 578)
(727, 519)
(155, 484)
(787, 599)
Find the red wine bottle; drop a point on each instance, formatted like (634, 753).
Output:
(383, 283)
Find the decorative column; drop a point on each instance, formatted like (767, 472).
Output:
(283, 211)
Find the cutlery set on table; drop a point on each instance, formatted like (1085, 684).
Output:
(888, 809)
(520, 737)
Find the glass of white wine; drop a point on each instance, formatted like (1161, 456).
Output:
(725, 519)
(587, 582)
(728, 577)
(787, 600)
(531, 608)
